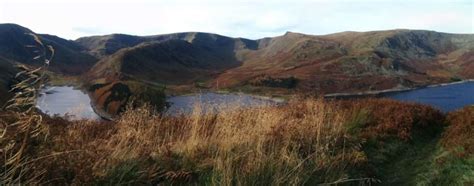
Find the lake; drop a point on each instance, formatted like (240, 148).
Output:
(446, 98)
(64, 100)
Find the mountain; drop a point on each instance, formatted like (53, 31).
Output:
(180, 58)
(108, 44)
(341, 62)
(70, 57)
(357, 61)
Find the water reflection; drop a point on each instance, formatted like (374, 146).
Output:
(64, 100)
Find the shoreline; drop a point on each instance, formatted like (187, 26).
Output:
(389, 91)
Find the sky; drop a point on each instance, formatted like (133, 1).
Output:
(251, 19)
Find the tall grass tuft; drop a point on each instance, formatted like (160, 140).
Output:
(17, 135)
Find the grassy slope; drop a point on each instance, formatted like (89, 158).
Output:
(305, 142)
(405, 164)
(442, 157)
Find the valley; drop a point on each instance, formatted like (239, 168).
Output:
(200, 108)
(237, 92)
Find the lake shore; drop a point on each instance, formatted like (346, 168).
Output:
(389, 91)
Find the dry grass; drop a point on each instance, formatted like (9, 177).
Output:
(460, 131)
(25, 123)
(303, 142)
(378, 119)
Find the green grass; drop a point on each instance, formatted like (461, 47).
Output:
(422, 161)
(445, 168)
(398, 163)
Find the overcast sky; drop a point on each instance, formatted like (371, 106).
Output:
(238, 18)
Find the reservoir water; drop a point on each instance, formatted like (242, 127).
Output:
(446, 98)
(64, 100)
